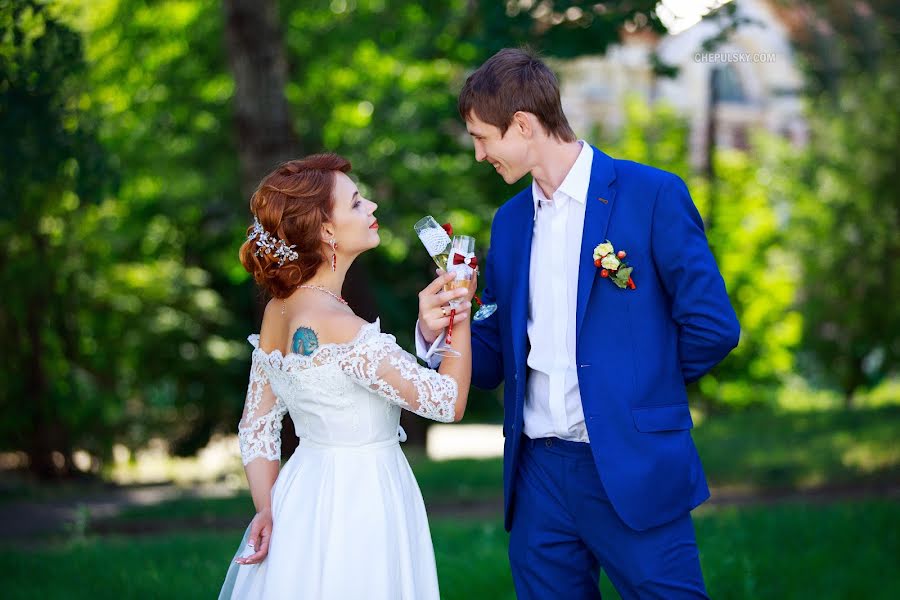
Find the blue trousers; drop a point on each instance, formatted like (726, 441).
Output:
(564, 530)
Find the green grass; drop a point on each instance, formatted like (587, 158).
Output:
(754, 449)
(201, 509)
(800, 449)
(844, 550)
(442, 483)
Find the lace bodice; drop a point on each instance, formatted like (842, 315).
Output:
(342, 394)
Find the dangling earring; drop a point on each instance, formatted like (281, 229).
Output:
(333, 255)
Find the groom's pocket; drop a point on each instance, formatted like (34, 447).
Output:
(672, 417)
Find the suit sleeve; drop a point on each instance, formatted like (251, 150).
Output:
(487, 357)
(708, 326)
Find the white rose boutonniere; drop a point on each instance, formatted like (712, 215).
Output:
(612, 265)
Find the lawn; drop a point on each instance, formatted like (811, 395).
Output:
(845, 550)
(755, 450)
(789, 550)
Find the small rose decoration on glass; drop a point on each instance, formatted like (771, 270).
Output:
(612, 265)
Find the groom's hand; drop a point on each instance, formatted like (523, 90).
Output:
(434, 307)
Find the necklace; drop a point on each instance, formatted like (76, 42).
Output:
(318, 288)
(325, 290)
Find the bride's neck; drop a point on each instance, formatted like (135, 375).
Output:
(332, 281)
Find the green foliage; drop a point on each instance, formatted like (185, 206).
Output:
(126, 167)
(122, 212)
(565, 29)
(844, 227)
(53, 174)
(113, 324)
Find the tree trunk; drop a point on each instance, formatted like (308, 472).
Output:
(45, 435)
(265, 133)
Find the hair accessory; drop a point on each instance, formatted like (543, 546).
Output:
(270, 244)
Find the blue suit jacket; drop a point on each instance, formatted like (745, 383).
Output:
(635, 349)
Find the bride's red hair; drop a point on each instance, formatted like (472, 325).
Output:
(291, 203)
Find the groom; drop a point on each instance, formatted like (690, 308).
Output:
(600, 471)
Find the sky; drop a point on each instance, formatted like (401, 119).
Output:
(678, 15)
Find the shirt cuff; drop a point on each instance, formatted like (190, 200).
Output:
(427, 353)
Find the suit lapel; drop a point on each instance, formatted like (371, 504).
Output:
(599, 205)
(523, 232)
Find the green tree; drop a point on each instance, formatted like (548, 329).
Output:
(147, 211)
(844, 229)
(51, 167)
(105, 313)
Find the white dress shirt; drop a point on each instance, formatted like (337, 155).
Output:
(552, 398)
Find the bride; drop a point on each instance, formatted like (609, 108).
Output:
(343, 518)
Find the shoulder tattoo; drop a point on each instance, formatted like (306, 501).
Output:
(305, 341)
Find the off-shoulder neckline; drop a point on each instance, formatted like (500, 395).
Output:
(254, 341)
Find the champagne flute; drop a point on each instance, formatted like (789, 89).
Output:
(462, 262)
(437, 241)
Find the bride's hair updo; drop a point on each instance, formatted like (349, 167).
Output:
(291, 203)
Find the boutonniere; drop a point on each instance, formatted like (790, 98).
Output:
(612, 265)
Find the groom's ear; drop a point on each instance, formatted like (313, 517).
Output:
(522, 122)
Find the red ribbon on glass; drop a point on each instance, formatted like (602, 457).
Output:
(471, 261)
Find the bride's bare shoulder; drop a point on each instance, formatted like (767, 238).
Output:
(340, 327)
(301, 329)
(272, 332)
(314, 327)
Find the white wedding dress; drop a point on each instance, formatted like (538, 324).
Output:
(348, 516)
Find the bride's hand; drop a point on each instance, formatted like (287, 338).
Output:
(434, 308)
(258, 540)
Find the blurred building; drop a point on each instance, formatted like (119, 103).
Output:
(757, 81)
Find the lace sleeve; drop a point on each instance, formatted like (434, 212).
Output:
(259, 430)
(378, 363)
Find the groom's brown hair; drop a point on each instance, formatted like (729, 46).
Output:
(510, 81)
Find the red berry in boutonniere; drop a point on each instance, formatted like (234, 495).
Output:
(612, 265)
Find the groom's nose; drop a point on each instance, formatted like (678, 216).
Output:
(480, 154)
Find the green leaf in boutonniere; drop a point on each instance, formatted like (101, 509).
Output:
(621, 277)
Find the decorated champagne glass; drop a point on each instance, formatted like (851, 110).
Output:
(462, 263)
(436, 239)
(437, 242)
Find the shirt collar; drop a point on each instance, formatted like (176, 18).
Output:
(575, 185)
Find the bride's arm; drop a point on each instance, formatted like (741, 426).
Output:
(259, 434)
(378, 363)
